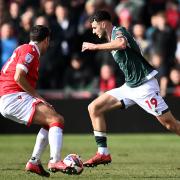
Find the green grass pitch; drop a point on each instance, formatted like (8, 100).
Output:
(134, 156)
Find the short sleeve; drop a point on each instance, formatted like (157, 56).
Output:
(119, 33)
(25, 59)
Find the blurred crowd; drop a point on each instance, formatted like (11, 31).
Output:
(155, 24)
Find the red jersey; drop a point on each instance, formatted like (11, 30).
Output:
(25, 57)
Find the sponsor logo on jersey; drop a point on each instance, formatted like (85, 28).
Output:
(28, 58)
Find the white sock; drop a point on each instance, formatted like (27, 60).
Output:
(55, 142)
(40, 145)
(101, 134)
(103, 150)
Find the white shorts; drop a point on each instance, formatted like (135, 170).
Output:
(146, 96)
(19, 107)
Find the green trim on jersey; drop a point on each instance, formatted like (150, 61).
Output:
(130, 60)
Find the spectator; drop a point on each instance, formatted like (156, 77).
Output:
(14, 12)
(172, 14)
(162, 37)
(63, 43)
(103, 57)
(84, 24)
(66, 28)
(126, 9)
(125, 18)
(139, 35)
(107, 79)
(175, 81)
(76, 7)
(151, 29)
(78, 77)
(48, 10)
(3, 12)
(156, 61)
(25, 26)
(41, 20)
(45, 69)
(8, 42)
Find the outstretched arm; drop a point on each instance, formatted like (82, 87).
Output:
(117, 44)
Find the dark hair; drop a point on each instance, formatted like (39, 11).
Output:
(39, 33)
(100, 15)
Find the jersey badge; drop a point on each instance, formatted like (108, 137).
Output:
(19, 97)
(119, 33)
(28, 58)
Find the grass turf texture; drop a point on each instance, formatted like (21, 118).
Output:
(135, 156)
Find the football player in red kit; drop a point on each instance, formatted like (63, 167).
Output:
(20, 102)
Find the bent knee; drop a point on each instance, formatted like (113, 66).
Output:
(57, 118)
(60, 119)
(170, 125)
(93, 109)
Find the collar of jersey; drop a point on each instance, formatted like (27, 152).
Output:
(35, 45)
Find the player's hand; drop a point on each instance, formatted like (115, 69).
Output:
(88, 46)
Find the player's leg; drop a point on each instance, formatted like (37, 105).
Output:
(169, 121)
(25, 109)
(106, 102)
(20, 108)
(34, 164)
(149, 98)
(47, 116)
(41, 143)
(98, 107)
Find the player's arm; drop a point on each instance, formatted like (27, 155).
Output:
(21, 80)
(25, 62)
(117, 44)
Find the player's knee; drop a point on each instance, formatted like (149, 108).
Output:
(57, 119)
(171, 125)
(60, 119)
(92, 108)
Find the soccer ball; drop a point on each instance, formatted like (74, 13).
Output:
(74, 161)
